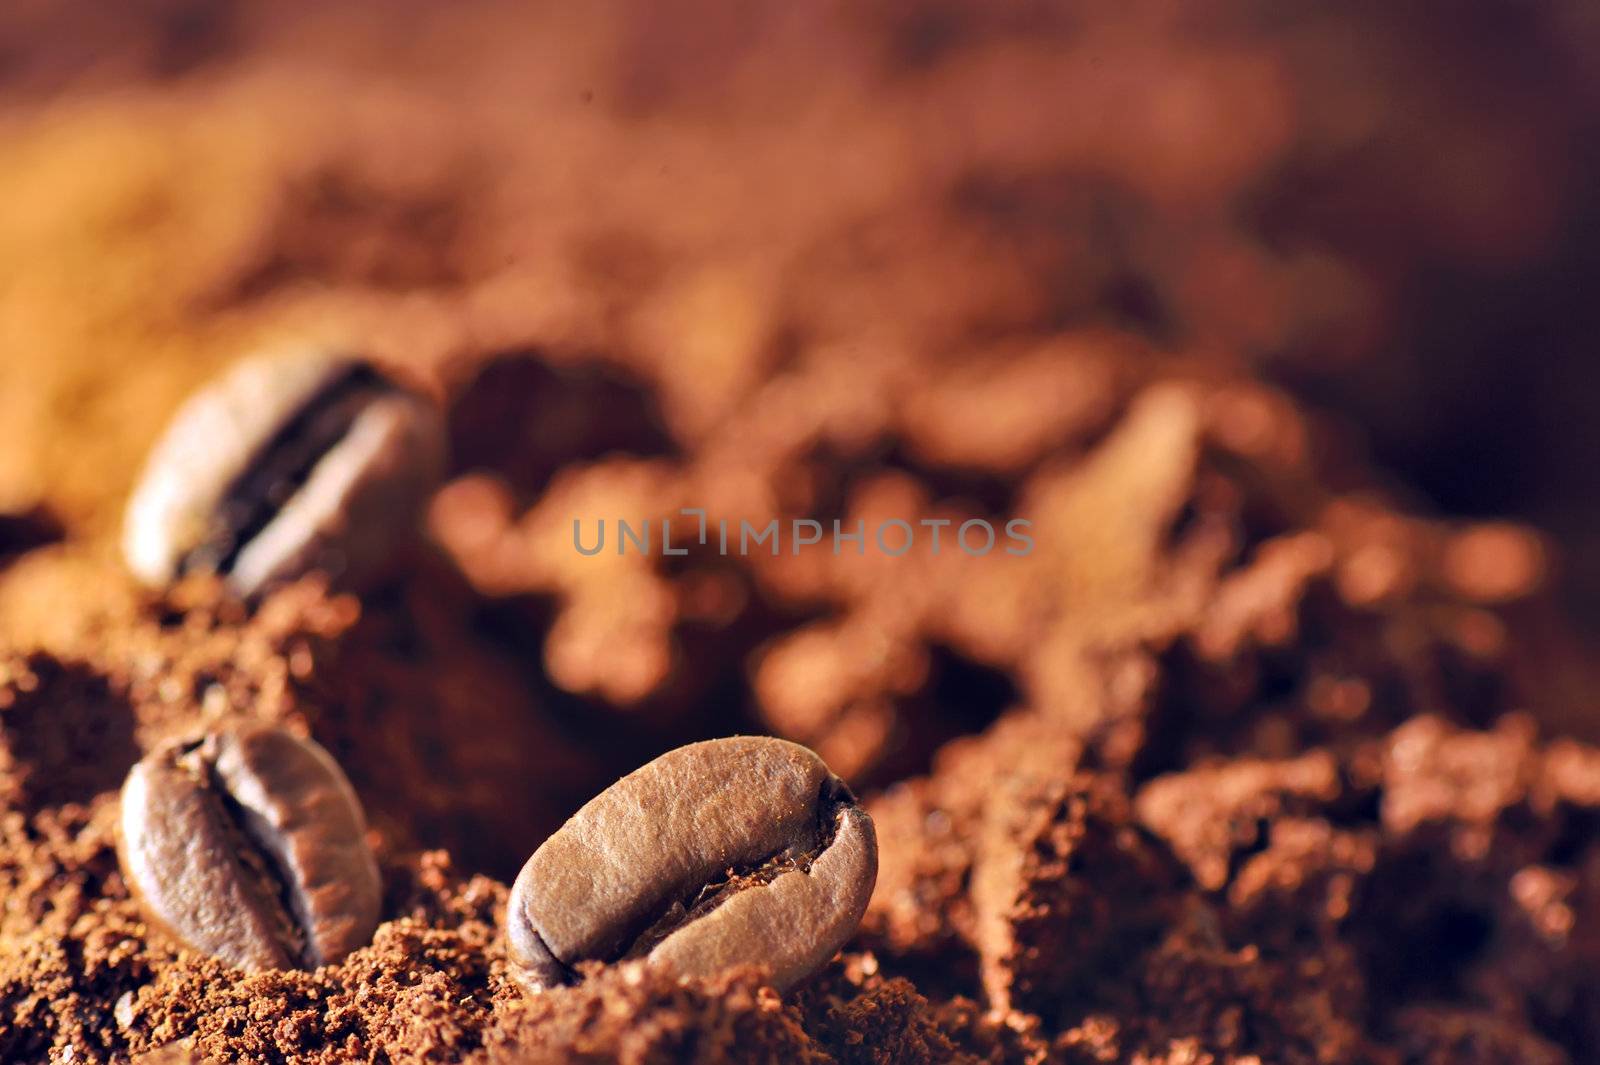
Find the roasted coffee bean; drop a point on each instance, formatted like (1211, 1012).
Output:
(286, 464)
(728, 852)
(249, 844)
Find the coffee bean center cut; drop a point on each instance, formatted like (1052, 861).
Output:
(282, 464)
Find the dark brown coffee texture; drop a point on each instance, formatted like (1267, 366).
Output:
(1273, 319)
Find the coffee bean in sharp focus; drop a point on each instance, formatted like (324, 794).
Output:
(728, 852)
(286, 464)
(249, 844)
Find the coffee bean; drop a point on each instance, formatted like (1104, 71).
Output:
(286, 464)
(249, 844)
(728, 852)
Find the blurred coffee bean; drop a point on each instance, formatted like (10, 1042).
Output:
(284, 465)
(249, 845)
(722, 853)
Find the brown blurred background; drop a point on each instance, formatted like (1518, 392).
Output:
(1389, 209)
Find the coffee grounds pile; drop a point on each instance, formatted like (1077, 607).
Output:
(1249, 760)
